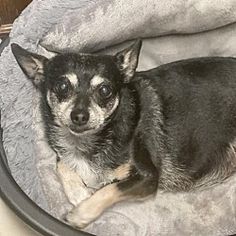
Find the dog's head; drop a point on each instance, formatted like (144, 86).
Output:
(81, 90)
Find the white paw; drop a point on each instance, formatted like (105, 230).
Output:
(82, 215)
(76, 196)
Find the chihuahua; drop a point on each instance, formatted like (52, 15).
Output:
(127, 133)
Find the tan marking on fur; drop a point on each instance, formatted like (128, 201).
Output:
(96, 80)
(122, 171)
(93, 207)
(38, 64)
(98, 114)
(72, 77)
(233, 155)
(35, 70)
(73, 185)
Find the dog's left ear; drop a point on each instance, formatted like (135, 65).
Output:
(31, 64)
(127, 60)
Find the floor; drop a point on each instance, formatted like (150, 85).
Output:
(9, 10)
(11, 225)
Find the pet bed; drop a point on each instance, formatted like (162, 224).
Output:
(171, 30)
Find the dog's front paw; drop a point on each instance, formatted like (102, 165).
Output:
(82, 215)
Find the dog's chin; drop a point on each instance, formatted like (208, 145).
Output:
(83, 130)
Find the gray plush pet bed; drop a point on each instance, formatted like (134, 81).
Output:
(173, 29)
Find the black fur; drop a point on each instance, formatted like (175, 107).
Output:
(198, 98)
(175, 124)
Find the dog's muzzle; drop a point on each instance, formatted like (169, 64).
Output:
(79, 117)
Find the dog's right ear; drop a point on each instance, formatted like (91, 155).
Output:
(127, 60)
(31, 64)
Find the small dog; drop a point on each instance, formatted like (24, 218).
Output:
(127, 133)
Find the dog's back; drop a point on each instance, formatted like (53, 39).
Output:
(197, 119)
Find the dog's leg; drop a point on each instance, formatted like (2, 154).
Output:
(141, 182)
(91, 208)
(73, 185)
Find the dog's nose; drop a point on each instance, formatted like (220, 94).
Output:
(79, 117)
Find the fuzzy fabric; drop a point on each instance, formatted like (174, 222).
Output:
(78, 25)
(83, 29)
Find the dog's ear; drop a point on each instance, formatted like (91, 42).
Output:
(31, 64)
(127, 60)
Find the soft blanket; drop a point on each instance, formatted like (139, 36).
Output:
(178, 29)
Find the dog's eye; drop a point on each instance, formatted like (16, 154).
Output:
(105, 91)
(62, 87)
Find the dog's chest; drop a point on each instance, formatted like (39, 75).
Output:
(92, 175)
(74, 151)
